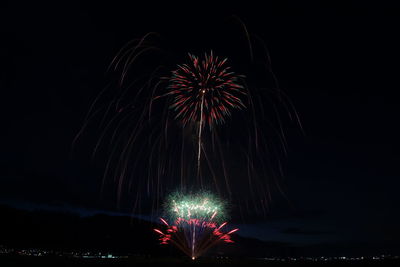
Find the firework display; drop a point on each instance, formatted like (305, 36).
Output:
(195, 223)
(164, 126)
(204, 90)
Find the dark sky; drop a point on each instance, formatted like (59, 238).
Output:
(338, 63)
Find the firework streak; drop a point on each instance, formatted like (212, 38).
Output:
(204, 91)
(195, 226)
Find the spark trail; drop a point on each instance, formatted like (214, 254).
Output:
(200, 132)
(205, 91)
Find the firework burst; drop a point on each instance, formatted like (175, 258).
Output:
(195, 226)
(205, 90)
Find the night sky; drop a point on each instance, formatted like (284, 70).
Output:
(338, 63)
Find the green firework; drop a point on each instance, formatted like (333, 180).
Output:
(202, 205)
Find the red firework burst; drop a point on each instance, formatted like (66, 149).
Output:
(194, 236)
(205, 90)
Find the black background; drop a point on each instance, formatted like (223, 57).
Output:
(337, 62)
